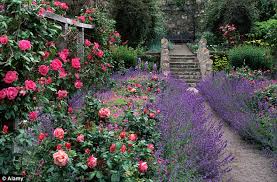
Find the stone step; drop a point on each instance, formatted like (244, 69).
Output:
(188, 65)
(191, 69)
(182, 56)
(186, 73)
(183, 60)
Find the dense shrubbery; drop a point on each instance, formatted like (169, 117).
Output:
(190, 144)
(252, 56)
(220, 62)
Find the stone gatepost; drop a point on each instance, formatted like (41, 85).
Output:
(165, 57)
(203, 55)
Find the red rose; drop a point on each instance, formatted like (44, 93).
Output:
(49, 80)
(2, 94)
(56, 64)
(104, 113)
(59, 147)
(43, 70)
(87, 43)
(10, 77)
(5, 129)
(90, 57)
(59, 133)
(80, 138)
(4, 39)
(142, 166)
(122, 134)
(75, 63)
(64, 6)
(91, 162)
(30, 85)
(78, 84)
(112, 148)
(70, 110)
(24, 45)
(152, 115)
(82, 18)
(41, 136)
(33, 115)
(67, 145)
(62, 94)
(123, 148)
(87, 151)
(11, 93)
(133, 137)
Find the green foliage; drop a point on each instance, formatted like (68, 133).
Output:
(220, 62)
(267, 30)
(241, 13)
(254, 57)
(124, 56)
(266, 8)
(139, 22)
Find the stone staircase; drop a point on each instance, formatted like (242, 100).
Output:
(184, 65)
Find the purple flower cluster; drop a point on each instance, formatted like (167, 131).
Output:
(191, 143)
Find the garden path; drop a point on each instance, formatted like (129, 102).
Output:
(249, 165)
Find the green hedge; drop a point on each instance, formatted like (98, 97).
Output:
(252, 56)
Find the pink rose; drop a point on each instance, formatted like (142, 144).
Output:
(59, 133)
(60, 158)
(11, 93)
(152, 115)
(142, 166)
(112, 148)
(123, 148)
(2, 94)
(10, 77)
(100, 53)
(43, 70)
(62, 94)
(5, 129)
(4, 39)
(96, 45)
(64, 54)
(82, 18)
(64, 6)
(91, 162)
(75, 63)
(104, 113)
(41, 12)
(150, 147)
(80, 138)
(30, 85)
(57, 3)
(33, 115)
(78, 84)
(41, 136)
(62, 73)
(122, 134)
(133, 137)
(56, 64)
(24, 45)
(87, 43)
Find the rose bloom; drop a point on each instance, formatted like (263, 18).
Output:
(30, 85)
(33, 115)
(150, 146)
(91, 162)
(41, 136)
(70, 110)
(62, 94)
(64, 54)
(87, 43)
(123, 148)
(24, 45)
(59, 133)
(57, 3)
(60, 158)
(122, 134)
(41, 11)
(90, 57)
(2, 94)
(67, 145)
(142, 166)
(87, 151)
(59, 147)
(104, 113)
(11, 93)
(100, 53)
(49, 80)
(56, 64)
(78, 84)
(112, 148)
(10, 77)
(152, 115)
(4, 39)
(82, 18)
(103, 67)
(50, 10)
(5, 129)
(62, 73)
(43, 70)
(75, 63)
(96, 45)
(64, 6)
(133, 137)
(46, 55)
(80, 138)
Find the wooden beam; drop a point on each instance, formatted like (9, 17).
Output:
(64, 20)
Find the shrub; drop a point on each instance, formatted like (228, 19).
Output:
(125, 57)
(220, 62)
(254, 57)
(267, 30)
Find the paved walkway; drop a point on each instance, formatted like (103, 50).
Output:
(180, 49)
(249, 165)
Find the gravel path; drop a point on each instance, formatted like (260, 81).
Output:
(249, 165)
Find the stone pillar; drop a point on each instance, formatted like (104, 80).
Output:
(165, 57)
(203, 55)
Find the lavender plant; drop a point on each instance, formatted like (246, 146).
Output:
(191, 143)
